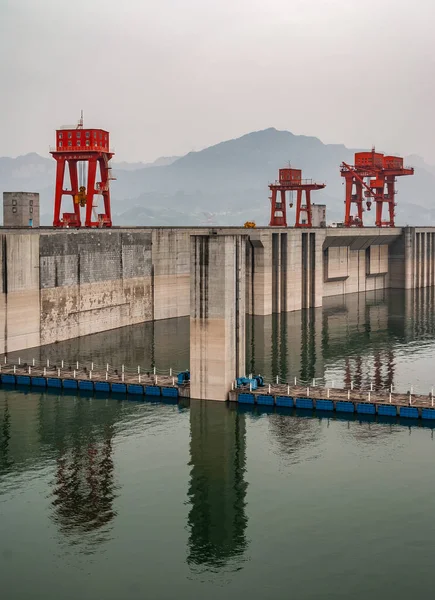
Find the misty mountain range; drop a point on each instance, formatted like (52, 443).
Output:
(225, 184)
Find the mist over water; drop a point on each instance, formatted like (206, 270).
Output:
(107, 498)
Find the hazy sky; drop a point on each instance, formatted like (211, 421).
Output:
(169, 76)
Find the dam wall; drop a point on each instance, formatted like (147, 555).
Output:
(171, 272)
(91, 282)
(281, 273)
(60, 284)
(359, 261)
(419, 257)
(19, 291)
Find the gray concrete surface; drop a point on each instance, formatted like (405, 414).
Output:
(61, 284)
(217, 314)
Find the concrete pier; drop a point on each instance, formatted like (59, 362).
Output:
(217, 317)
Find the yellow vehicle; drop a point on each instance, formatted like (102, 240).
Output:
(249, 225)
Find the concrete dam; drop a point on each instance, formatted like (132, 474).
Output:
(58, 284)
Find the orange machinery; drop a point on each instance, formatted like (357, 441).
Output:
(372, 179)
(291, 180)
(82, 149)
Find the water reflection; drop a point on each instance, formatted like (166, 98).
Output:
(5, 436)
(294, 435)
(84, 489)
(74, 438)
(350, 338)
(162, 344)
(217, 489)
(355, 338)
(80, 435)
(373, 337)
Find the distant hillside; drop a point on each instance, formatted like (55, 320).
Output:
(229, 181)
(226, 183)
(163, 161)
(34, 173)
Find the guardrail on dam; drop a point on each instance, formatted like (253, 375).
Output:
(64, 283)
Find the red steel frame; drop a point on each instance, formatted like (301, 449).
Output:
(278, 205)
(94, 157)
(378, 184)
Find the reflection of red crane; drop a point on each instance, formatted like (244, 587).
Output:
(84, 492)
(389, 379)
(347, 373)
(358, 371)
(373, 177)
(378, 370)
(381, 360)
(291, 180)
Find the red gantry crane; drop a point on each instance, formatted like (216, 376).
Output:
(83, 150)
(372, 179)
(290, 180)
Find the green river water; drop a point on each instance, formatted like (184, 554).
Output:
(117, 499)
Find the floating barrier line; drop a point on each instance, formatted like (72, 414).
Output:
(122, 382)
(349, 399)
(130, 381)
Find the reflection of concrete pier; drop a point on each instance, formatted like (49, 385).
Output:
(72, 440)
(217, 490)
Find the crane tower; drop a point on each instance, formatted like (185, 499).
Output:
(372, 179)
(83, 150)
(290, 180)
